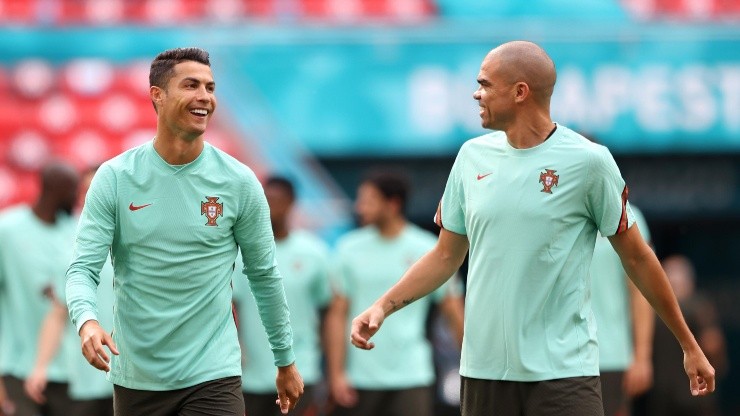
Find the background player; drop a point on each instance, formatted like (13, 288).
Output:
(36, 250)
(303, 261)
(394, 379)
(91, 393)
(625, 323)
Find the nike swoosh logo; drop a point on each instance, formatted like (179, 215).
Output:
(483, 176)
(133, 207)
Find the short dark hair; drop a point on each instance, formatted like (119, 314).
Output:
(163, 65)
(281, 182)
(392, 185)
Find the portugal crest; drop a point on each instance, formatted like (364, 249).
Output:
(548, 179)
(212, 210)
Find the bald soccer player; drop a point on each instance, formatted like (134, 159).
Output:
(527, 201)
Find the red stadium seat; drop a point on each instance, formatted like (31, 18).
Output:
(17, 187)
(33, 78)
(88, 148)
(88, 77)
(57, 114)
(133, 78)
(18, 11)
(687, 10)
(28, 150)
(117, 113)
(94, 12)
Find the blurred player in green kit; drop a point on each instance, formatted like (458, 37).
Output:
(625, 324)
(303, 261)
(395, 379)
(35, 251)
(91, 393)
(172, 213)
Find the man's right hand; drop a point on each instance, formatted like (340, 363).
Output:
(36, 384)
(93, 337)
(365, 325)
(342, 391)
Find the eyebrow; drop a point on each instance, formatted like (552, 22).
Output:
(196, 80)
(482, 81)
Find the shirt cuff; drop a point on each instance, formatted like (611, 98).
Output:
(84, 317)
(284, 357)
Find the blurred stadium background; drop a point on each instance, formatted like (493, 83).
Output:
(321, 90)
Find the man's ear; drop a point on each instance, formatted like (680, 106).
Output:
(157, 95)
(521, 91)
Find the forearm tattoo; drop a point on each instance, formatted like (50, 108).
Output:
(395, 305)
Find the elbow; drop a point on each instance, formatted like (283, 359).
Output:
(449, 259)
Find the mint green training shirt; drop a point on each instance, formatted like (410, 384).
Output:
(531, 217)
(173, 233)
(85, 381)
(33, 255)
(368, 264)
(611, 302)
(303, 262)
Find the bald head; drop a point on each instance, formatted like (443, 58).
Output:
(522, 61)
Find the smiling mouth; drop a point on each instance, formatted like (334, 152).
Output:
(200, 112)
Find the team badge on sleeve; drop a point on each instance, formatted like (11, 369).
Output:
(212, 210)
(548, 179)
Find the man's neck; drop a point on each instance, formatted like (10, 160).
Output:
(176, 150)
(280, 231)
(44, 212)
(530, 132)
(392, 228)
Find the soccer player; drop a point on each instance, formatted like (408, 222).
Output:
(527, 201)
(625, 323)
(303, 261)
(396, 378)
(90, 392)
(172, 213)
(35, 249)
(666, 398)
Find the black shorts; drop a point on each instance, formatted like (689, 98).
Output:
(416, 401)
(222, 397)
(612, 391)
(263, 404)
(57, 402)
(94, 407)
(575, 396)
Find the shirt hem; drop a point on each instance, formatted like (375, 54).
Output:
(525, 377)
(166, 386)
